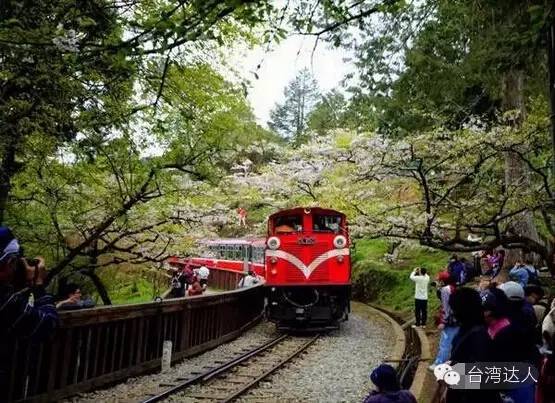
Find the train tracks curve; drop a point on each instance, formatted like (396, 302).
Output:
(234, 378)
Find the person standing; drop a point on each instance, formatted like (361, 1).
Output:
(421, 281)
(20, 320)
(447, 323)
(203, 273)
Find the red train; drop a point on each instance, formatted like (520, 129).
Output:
(308, 268)
(240, 255)
(305, 260)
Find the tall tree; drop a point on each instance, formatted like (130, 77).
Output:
(290, 118)
(70, 67)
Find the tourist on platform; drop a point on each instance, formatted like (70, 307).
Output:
(421, 282)
(495, 262)
(534, 294)
(447, 321)
(19, 280)
(196, 288)
(546, 383)
(456, 269)
(483, 285)
(177, 284)
(203, 273)
(388, 387)
(469, 270)
(188, 276)
(520, 312)
(519, 273)
(249, 279)
(471, 344)
(509, 341)
(72, 299)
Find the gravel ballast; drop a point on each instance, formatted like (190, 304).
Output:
(334, 369)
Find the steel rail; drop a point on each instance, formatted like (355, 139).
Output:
(205, 376)
(253, 383)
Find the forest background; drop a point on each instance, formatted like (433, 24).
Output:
(127, 136)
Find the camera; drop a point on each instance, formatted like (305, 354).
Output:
(32, 262)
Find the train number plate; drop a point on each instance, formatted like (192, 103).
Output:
(306, 241)
(299, 310)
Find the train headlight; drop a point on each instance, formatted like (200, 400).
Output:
(340, 241)
(273, 242)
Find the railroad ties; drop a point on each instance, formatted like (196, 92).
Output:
(237, 376)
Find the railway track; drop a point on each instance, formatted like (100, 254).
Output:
(234, 378)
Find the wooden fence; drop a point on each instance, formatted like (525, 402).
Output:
(97, 347)
(224, 279)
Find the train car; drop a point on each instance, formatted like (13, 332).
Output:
(240, 255)
(308, 269)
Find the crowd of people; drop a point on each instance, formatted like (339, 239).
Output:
(493, 321)
(188, 281)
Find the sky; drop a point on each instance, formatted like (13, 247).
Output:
(280, 65)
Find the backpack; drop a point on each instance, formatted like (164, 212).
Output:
(533, 277)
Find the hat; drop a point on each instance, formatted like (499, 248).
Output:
(385, 378)
(489, 301)
(512, 290)
(8, 244)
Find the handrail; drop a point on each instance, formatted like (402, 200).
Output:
(99, 346)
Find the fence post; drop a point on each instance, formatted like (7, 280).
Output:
(166, 355)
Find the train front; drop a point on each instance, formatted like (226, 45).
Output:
(308, 268)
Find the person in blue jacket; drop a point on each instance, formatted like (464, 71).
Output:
(388, 387)
(20, 282)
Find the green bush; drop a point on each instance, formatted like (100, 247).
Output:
(378, 281)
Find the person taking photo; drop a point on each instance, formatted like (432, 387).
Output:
(421, 281)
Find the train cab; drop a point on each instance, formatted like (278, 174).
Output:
(308, 268)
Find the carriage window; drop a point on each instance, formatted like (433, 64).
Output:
(326, 223)
(288, 224)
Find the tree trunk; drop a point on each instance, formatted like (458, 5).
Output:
(99, 285)
(516, 172)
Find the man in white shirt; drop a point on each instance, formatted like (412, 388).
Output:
(203, 273)
(421, 281)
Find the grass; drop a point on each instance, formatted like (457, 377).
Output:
(379, 281)
(132, 292)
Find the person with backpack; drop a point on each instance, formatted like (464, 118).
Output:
(519, 273)
(177, 285)
(533, 273)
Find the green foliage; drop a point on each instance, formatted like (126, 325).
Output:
(290, 118)
(378, 281)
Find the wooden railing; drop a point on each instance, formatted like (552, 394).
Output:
(224, 279)
(96, 347)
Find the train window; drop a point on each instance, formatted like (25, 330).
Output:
(326, 223)
(288, 224)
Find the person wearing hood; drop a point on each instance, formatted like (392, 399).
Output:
(388, 387)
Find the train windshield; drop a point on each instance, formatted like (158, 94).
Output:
(292, 223)
(326, 223)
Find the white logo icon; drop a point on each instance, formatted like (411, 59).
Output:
(440, 371)
(452, 378)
